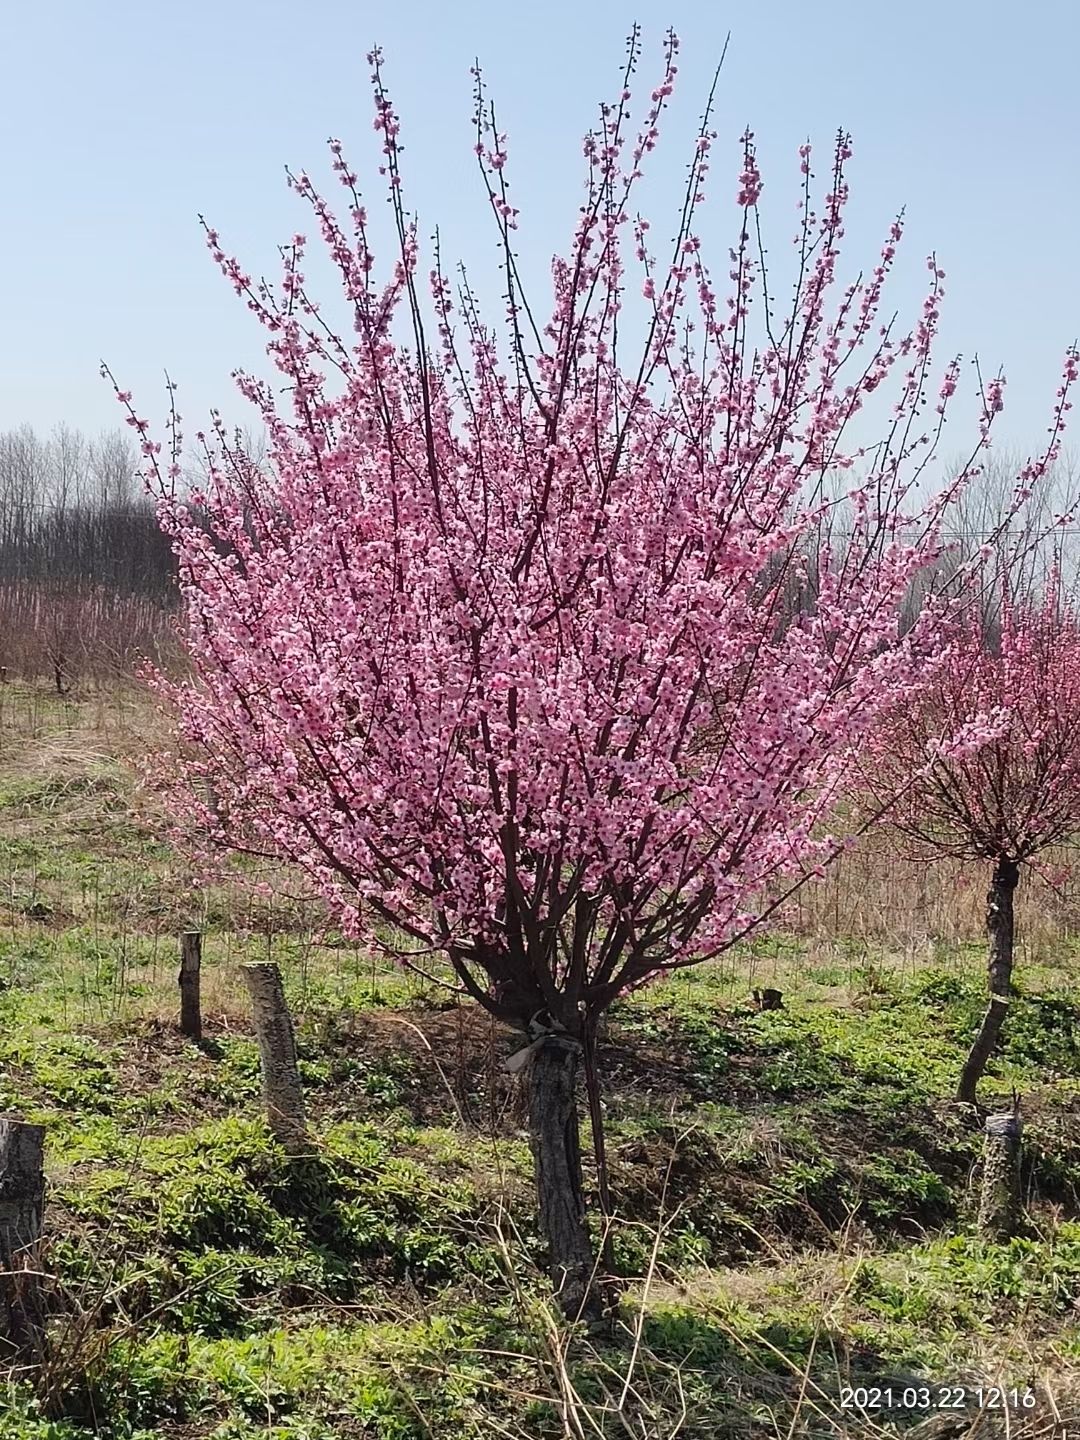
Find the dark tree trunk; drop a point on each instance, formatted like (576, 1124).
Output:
(1000, 927)
(556, 1148)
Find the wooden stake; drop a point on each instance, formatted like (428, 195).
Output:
(22, 1205)
(1001, 1207)
(282, 1093)
(189, 981)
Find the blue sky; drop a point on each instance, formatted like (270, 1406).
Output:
(122, 121)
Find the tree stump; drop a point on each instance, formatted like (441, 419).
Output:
(1001, 1205)
(189, 982)
(22, 1204)
(281, 1089)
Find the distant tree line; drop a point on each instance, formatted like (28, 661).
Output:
(73, 514)
(86, 576)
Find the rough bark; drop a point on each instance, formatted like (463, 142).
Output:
(1000, 928)
(22, 1204)
(1001, 1205)
(556, 1147)
(189, 982)
(282, 1093)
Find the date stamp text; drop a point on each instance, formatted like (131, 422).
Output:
(936, 1397)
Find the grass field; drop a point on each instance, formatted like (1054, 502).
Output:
(794, 1189)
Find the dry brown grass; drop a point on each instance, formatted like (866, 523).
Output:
(874, 893)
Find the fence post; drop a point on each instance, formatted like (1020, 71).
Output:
(22, 1204)
(189, 981)
(282, 1094)
(1001, 1205)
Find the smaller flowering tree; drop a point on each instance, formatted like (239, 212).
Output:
(1012, 674)
(499, 644)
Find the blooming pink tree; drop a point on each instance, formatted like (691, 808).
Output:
(1006, 801)
(499, 650)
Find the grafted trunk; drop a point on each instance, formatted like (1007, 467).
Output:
(277, 1054)
(22, 1202)
(556, 1146)
(1001, 1203)
(1000, 928)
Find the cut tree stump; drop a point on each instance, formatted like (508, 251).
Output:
(1001, 1209)
(281, 1089)
(189, 981)
(22, 1205)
